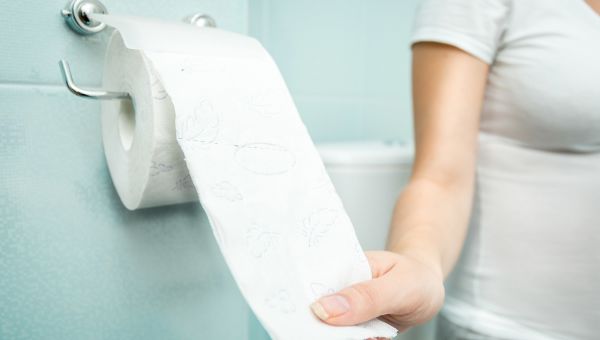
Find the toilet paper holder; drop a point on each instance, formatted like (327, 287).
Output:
(77, 16)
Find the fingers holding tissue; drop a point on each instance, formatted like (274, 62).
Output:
(404, 292)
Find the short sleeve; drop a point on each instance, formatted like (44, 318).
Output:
(475, 26)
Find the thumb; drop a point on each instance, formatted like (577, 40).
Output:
(358, 303)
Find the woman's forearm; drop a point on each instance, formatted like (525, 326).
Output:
(430, 222)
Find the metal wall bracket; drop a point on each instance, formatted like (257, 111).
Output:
(77, 15)
(200, 20)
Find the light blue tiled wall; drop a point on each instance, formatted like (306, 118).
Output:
(75, 264)
(347, 63)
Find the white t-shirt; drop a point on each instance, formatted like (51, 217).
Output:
(530, 268)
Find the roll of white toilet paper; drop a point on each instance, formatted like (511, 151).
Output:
(145, 162)
(225, 109)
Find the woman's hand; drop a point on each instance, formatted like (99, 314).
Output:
(404, 292)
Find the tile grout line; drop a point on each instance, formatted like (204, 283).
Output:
(24, 85)
(31, 85)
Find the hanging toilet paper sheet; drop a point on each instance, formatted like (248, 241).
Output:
(212, 117)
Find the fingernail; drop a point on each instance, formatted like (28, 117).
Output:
(330, 306)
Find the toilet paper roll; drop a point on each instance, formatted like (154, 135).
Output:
(145, 162)
(212, 109)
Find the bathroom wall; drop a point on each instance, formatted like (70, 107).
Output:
(347, 63)
(75, 264)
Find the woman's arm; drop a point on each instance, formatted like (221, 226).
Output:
(431, 215)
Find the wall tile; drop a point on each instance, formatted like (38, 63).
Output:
(318, 45)
(75, 263)
(332, 118)
(343, 51)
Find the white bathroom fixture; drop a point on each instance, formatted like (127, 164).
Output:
(368, 176)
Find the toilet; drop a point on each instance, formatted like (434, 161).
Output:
(368, 176)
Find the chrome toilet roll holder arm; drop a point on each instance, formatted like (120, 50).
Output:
(77, 16)
(65, 70)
